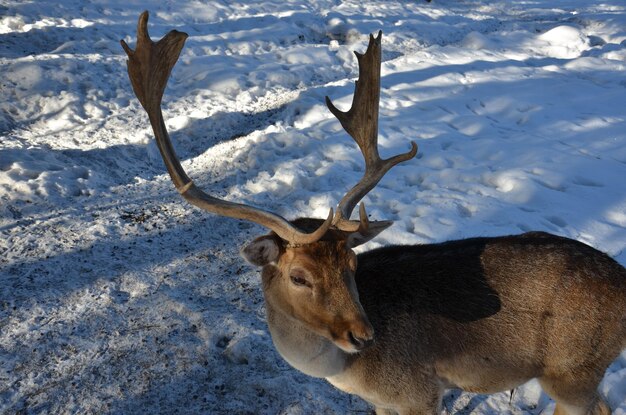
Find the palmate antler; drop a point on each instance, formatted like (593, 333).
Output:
(361, 122)
(149, 67)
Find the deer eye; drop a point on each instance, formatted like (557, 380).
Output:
(299, 280)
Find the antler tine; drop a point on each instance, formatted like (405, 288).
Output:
(149, 67)
(361, 123)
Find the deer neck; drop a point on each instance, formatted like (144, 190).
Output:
(303, 349)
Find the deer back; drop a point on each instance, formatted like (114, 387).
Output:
(487, 314)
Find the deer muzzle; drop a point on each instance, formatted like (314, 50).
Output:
(354, 336)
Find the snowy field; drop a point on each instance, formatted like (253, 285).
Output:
(117, 297)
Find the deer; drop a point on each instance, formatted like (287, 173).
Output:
(400, 325)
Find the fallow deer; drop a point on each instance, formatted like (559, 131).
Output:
(399, 325)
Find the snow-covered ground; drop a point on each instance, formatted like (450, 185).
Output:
(117, 297)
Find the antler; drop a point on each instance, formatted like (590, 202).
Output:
(361, 122)
(149, 67)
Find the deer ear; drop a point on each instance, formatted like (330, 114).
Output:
(360, 237)
(262, 251)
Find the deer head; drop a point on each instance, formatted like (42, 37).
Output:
(308, 264)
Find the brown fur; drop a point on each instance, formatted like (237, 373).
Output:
(483, 314)
(334, 286)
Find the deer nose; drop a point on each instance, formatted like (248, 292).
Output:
(361, 339)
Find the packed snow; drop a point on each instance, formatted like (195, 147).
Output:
(118, 297)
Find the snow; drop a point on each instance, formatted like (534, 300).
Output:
(117, 297)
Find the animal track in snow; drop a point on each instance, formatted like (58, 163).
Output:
(584, 181)
(556, 221)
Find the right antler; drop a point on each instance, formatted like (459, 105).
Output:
(149, 67)
(361, 122)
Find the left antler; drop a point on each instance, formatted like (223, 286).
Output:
(149, 67)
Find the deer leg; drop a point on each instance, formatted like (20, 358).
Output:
(416, 411)
(404, 411)
(429, 404)
(599, 407)
(575, 396)
(428, 407)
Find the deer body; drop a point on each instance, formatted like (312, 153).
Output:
(399, 325)
(484, 315)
